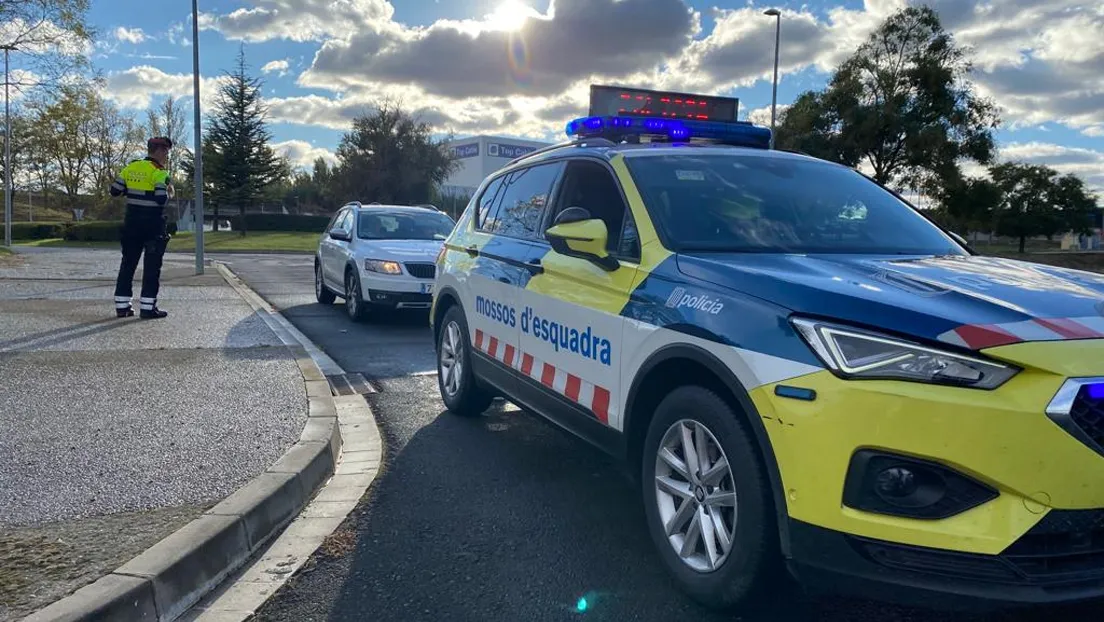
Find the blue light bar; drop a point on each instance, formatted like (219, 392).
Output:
(676, 130)
(1096, 391)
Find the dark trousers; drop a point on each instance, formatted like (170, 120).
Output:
(143, 232)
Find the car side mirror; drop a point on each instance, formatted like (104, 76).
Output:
(575, 233)
(340, 234)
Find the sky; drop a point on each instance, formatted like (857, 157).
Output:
(523, 67)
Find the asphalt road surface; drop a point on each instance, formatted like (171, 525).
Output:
(497, 518)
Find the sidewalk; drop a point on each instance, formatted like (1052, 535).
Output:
(119, 431)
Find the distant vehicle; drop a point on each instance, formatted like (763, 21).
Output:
(380, 256)
(803, 372)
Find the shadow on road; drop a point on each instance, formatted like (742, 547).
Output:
(503, 517)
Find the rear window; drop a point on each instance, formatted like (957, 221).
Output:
(753, 203)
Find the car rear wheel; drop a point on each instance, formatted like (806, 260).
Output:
(354, 301)
(321, 292)
(707, 500)
(459, 390)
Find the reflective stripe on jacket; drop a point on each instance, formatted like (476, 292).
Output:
(144, 182)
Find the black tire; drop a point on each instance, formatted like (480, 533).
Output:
(468, 399)
(355, 307)
(321, 292)
(751, 568)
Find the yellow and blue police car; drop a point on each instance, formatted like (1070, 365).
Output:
(807, 374)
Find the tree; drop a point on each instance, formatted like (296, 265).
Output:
(48, 39)
(390, 157)
(81, 140)
(62, 130)
(1036, 201)
(901, 104)
(237, 158)
(969, 204)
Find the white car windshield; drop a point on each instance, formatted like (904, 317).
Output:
(396, 225)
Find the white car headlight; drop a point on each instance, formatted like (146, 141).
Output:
(853, 353)
(385, 267)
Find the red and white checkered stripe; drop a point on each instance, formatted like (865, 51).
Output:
(594, 398)
(980, 336)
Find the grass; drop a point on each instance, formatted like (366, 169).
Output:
(259, 242)
(4, 250)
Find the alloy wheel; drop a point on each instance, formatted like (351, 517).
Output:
(696, 495)
(352, 300)
(318, 287)
(451, 360)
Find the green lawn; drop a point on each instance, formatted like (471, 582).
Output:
(260, 241)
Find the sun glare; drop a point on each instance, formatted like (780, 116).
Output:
(509, 16)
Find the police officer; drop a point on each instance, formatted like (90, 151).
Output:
(147, 187)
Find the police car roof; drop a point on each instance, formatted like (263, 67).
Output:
(607, 149)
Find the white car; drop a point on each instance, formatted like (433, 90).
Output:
(380, 256)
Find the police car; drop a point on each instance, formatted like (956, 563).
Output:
(806, 373)
(380, 256)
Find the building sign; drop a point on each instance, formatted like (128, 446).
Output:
(502, 150)
(466, 151)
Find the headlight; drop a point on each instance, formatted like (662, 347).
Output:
(853, 353)
(386, 267)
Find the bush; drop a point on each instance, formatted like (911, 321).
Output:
(37, 230)
(94, 231)
(280, 222)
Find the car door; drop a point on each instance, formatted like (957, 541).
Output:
(506, 225)
(333, 261)
(571, 321)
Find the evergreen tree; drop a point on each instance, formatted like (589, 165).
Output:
(242, 167)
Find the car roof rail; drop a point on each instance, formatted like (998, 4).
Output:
(584, 142)
(429, 206)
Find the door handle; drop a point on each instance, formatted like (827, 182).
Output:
(504, 280)
(472, 250)
(535, 261)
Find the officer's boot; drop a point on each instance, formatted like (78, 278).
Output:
(122, 307)
(149, 310)
(152, 314)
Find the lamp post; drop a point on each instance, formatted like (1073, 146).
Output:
(7, 152)
(775, 13)
(197, 204)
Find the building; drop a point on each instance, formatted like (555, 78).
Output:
(479, 156)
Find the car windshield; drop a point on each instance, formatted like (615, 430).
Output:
(396, 225)
(755, 203)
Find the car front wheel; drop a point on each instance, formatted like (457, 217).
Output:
(459, 390)
(707, 500)
(354, 300)
(321, 292)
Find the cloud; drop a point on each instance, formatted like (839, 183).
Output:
(1085, 163)
(280, 66)
(544, 56)
(302, 154)
(298, 20)
(130, 35)
(135, 87)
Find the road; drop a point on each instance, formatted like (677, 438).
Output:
(498, 518)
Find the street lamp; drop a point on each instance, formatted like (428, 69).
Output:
(775, 13)
(7, 151)
(197, 204)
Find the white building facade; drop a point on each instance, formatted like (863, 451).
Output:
(479, 156)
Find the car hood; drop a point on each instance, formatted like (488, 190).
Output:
(401, 250)
(971, 301)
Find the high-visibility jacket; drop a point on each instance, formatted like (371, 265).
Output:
(145, 184)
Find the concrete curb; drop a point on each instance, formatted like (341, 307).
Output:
(173, 575)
